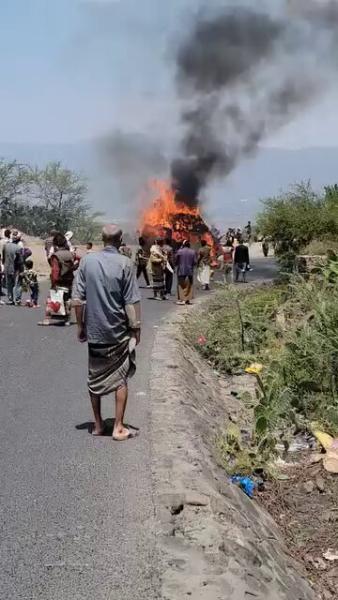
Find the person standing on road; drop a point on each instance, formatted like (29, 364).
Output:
(107, 306)
(204, 265)
(62, 275)
(228, 252)
(141, 260)
(248, 230)
(158, 262)
(241, 260)
(169, 269)
(126, 250)
(265, 247)
(13, 268)
(185, 261)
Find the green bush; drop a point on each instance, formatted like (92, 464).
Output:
(293, 332)
(293, 220)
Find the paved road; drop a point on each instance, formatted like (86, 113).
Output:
(76, 511)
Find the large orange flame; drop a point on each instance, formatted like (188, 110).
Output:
(165, 213)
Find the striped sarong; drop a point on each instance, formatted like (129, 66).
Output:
(110, 366)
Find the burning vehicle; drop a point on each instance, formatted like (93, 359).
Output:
(169, 216)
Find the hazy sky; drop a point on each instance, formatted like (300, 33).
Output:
(74, 69)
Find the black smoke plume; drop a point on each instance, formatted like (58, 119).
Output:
(241, 75)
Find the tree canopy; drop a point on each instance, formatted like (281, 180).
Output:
(300, 215)
(38, 200)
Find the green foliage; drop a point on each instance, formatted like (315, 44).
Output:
(294, 219)
(38, 200)
(236, 326)
(293, 332)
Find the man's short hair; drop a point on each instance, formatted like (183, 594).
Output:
(111, 234)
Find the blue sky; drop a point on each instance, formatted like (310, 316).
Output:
(74, 69)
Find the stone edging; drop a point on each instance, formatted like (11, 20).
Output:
(214, 543)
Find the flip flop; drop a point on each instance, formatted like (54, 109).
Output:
(102, 433)
(131, 435)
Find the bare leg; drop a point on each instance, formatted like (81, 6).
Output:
(96, 404)
(121, 396)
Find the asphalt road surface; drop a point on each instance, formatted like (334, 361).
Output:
(77, 518)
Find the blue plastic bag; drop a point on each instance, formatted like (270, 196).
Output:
(245, 483)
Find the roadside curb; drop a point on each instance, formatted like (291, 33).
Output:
(213, 541)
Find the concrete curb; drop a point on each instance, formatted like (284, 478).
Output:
(213, 541)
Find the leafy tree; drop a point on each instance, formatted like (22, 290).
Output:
(15, 182)
(88, 229)
(296, 218)
(62, 194)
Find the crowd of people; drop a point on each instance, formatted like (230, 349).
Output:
(18, 276)
(17, 272)
(157, 263)
(102, 288)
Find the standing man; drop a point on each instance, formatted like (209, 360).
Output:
(13, 269)
(169, 268)
(185, 262)
(241, 260)
(248, 230)
(141, 261)
(204, 264)
(111, 325)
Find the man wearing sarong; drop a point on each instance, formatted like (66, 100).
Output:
(158, 262)
(185, 262)
(107, 307)
(204, 265)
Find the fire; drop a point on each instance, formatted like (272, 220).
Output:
(166, 217)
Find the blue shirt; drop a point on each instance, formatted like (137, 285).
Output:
(106, 281)
(185, 260)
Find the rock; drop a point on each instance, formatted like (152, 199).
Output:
(330, 515)
(195, 499)
(315, 458)
(233, 418)
(309, 486)
(176, 509)
(320, 483)
(333, 573)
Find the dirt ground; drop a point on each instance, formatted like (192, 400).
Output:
(39, 257)
(305, 507)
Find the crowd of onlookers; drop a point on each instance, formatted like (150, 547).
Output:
(17, 272)
(157, 262)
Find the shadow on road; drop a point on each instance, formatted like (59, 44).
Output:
(108, 427)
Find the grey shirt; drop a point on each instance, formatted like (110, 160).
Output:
(106, 281)
(12, 257)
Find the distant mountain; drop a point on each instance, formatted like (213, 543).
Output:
(235, 199)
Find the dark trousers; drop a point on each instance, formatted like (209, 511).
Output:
(142, 269)
(168, 281)
(10, 284)
(34, 289)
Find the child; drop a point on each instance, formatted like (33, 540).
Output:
(31, 279)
